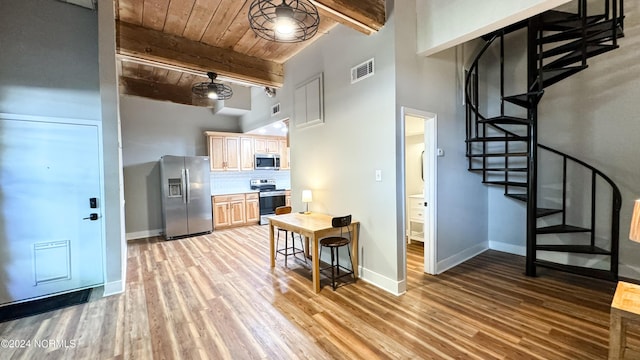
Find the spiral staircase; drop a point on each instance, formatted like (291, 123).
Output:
(572, 208)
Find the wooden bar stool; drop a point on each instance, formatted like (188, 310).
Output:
(288, 250)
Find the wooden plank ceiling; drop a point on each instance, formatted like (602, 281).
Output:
(165, 46)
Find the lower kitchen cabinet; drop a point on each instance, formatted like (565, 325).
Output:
(235, 210)
(252, 208)
(228, 210)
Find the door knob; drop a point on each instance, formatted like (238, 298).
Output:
(92, 217)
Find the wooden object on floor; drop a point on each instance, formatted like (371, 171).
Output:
(624, 307)
(313, 227)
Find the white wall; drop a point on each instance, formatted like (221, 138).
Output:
(151, 129)
(49, 61)
(444, 24)
(433, 84)
(338, 159)
(116, 248)
(361, 133)
(49, 67)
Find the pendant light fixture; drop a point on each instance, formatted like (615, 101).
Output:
(284, 21)
(212, 90)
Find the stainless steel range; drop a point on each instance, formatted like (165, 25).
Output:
(270, 197)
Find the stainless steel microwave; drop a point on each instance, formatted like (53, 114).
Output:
(267, 162)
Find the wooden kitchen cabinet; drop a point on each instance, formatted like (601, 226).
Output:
(285, 163)
(246, 154)
(228, 210)
(287, 198)
(265, 145)
(235, 152)
(224, 152)
(252, 208)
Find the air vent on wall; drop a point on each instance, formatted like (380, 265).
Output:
(275, 109)
(362, 71)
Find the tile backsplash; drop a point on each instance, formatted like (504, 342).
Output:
(238, 181)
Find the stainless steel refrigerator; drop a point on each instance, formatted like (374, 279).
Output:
(186, 195)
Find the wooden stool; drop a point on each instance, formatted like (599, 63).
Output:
(624, 307)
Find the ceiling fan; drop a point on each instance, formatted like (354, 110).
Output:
(212, 90)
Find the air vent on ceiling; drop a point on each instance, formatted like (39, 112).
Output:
(275, 109)
(362, 71)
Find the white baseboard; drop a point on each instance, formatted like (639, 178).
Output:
(143, 234)
(113, 288)
(508, 248)
(461, 257)
(392, 286)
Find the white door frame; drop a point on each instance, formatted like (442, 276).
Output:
(430, 166)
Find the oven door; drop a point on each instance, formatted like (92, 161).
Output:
(268, 205)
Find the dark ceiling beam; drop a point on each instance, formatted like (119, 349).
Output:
(159, 91)
(135, 41)
(366, 16)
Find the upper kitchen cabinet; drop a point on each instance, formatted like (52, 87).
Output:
(224, 151)
(246, 153)
(308, 102)
(266, 145)
(284, 155)
(236, 152)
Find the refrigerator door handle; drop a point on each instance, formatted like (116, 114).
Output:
(184, 185)
(188, 187)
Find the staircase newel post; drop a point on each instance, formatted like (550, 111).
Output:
(532, 168)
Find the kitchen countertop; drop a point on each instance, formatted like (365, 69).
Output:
(235, 191)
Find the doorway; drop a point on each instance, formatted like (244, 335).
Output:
(420, 169)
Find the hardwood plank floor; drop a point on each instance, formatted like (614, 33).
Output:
(215, 297)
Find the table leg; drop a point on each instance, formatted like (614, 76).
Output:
(617, 336)
(272, 246)
(315, 267)
(306, 247)
(354, 249)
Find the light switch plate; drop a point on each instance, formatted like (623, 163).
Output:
(378, 175)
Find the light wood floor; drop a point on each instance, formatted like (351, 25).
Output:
(215, 297)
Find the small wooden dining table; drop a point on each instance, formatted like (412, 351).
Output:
(313, 226)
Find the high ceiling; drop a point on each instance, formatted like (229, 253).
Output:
(165, 46)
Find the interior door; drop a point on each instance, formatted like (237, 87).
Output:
(50, 208)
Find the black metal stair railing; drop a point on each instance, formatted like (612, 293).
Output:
(504, 148)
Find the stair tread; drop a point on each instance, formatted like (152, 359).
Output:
(583, 249)
(507, 183)
(576, 46)
(518, 154)
(524, 100)
(552, 76)
(546, 212)
(499, 138)
(519, 169)
(569, 23)
(595, 273)
(520, 197)
(505, 120)
(576, 56)
(554, 229)
(593, 32)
